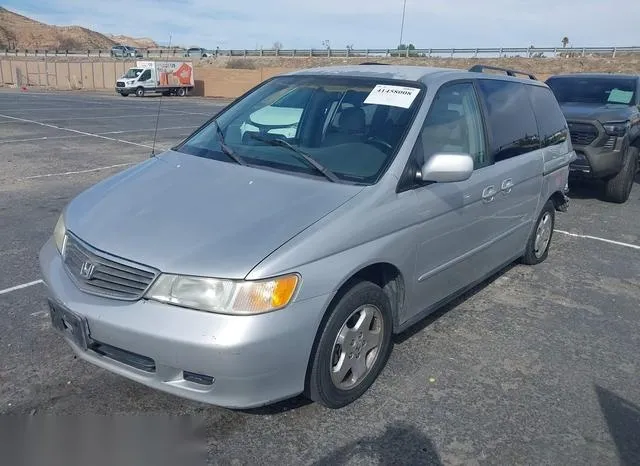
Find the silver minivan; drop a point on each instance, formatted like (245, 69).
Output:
(278, 249)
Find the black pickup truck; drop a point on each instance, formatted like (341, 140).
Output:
(603, 114)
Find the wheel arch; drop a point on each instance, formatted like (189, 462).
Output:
(384, 274)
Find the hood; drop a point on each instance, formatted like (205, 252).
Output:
(190, 215)
(601, 113)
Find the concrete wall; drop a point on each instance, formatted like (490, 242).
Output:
(209, 82)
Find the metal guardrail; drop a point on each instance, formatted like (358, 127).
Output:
(413, 53)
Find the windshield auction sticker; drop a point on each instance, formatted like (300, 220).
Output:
(394, 96)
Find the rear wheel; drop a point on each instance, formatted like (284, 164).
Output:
(182, 92)
(353, 347)
(140, 92)
(537, 248)
(618, 188)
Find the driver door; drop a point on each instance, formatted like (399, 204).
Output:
(146, 81)
(456, 220)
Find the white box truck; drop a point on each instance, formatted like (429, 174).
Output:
(167, 78)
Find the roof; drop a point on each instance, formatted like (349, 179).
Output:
(404, 72)
(423, 74)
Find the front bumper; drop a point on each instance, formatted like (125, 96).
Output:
(600, 158)
(229, 361)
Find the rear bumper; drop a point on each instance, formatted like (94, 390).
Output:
(229, 361)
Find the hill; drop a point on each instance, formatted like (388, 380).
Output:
(21, 32)
(140, 42)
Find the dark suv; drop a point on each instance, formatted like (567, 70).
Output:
(603, 113)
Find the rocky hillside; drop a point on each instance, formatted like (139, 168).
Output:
(17, 31)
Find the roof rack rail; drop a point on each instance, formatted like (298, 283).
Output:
(481, 68)
(373, 63)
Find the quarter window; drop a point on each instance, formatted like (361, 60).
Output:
(552, 125)
(512, 125)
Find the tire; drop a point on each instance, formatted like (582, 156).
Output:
(618, 188)
(539, 242)
(140, 92)
(124, 94)
(366, 304)
(181, 92)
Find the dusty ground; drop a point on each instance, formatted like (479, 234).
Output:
(537, 366)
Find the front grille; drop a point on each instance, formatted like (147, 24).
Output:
(97, 274)
(582, 134)
(119, 84)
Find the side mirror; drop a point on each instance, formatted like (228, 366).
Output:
(446, 168)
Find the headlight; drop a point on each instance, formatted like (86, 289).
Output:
(59, 233)
(616, 128)
(224, 296)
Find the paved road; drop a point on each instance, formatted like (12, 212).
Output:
(537, 366)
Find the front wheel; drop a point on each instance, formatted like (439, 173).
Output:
(353, 347)
(140, 92)
(124, 94)
(618, 188)
(537, 248)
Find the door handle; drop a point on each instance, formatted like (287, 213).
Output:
(507, 185)
(489, 193)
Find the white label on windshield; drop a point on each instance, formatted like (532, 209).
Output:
(394, 96)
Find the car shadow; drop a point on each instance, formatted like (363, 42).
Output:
(431, 318)
(278, 407)
(623, 420)
(400, 443)
(586, 189)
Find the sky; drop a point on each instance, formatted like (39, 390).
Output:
(362, 23)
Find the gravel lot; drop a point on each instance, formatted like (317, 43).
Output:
(537, 366)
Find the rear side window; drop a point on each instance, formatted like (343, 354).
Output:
(552, 125)
(511, 121)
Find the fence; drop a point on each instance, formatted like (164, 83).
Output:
(430, 52)
(102, 75)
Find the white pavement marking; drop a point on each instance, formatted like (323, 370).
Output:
(115, 116)
(596, 238)
(76, 131)
(20, 287)
(186, 113)
(44, 138)
(78, 171)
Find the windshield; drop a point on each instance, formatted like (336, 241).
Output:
(590, 90)
(133, 73)
(353, 127)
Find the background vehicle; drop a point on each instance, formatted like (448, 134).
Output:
(603, 112)
(355, 201)
(167, 78)
(196, 52)
(124, 51)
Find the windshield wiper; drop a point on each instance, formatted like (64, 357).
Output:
(228, 151)
(300, 155)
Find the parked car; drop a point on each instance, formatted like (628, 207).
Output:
(603, 111)
(124, 51)
(196, 52)
(400, 188)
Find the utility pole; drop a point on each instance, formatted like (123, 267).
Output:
(404, 6)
